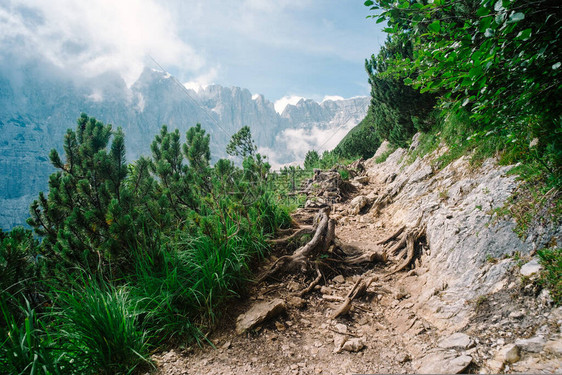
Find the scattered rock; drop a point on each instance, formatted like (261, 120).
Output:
(259, 313)
(353, 345)
(554, 347)
(339, 340)
(339, 279)
(457, 340)
(509, 354)
(494, 366)
(226, 345)
(357, 204)
(532, 345)
(530, 268)
(362, 179)
(443, 363)
(296, 302)
(517, 314)
(403, 358)
(341, 328)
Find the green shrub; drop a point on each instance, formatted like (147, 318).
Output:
(551, 276)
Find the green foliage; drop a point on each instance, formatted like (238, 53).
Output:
(499, 59)
(311, 160)
(361, 142)
(241, 143)
(551, 277)
(26, 346)
(100, 324)
(397, 110)
(84, 220)
(20, 266)
(160, 244)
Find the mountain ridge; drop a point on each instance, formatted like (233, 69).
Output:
(36, 109)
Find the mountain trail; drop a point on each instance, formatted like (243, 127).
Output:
(371, 317)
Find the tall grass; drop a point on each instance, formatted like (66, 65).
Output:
(26, 346)
(100, 324)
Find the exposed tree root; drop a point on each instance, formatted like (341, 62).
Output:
(316, 281)
(359, 289)
(392, 236)
(324, 242)
(308, 229)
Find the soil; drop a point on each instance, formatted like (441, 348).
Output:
(305, 340)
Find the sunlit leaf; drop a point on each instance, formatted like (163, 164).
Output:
(435, 26)
(516, 17)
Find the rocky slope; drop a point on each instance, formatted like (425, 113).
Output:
(467, 302)
(37, 106)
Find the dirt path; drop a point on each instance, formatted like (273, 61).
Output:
(380, 330)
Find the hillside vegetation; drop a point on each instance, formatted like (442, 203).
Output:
(133, 256)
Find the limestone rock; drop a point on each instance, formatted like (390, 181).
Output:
(509, 354)
(531, 268)
(442, 362)
(532, 345)
(339, 279)
(258, 314)
(362, 179)
(554, 347)
(357, 204)
(353, 345)
(457, 340)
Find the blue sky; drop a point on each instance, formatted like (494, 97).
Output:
(276, 48)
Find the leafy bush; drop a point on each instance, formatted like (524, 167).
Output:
(499, 59)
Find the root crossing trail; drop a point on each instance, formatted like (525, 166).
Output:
(331, 328)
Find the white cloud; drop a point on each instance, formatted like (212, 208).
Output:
(299, 141)
(332, 98)
(203, 80)
(91, 37)
(282, 103)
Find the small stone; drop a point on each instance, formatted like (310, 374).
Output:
(532, 345)
(259, 313)
(341, 328)
(296, 302)
(530, 268)
(339, 340)
(554, 347)
(509, 354)
(293, 286)
(494, 366)
(226, 345)
(442, 363)
(280, 326)
(517, 314)
(362, 179)
(457, 340)
(339, 279)
(403, 357)
(353, 345)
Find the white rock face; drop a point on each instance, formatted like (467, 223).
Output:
(456, 204)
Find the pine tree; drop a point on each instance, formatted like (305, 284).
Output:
(86, 216)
